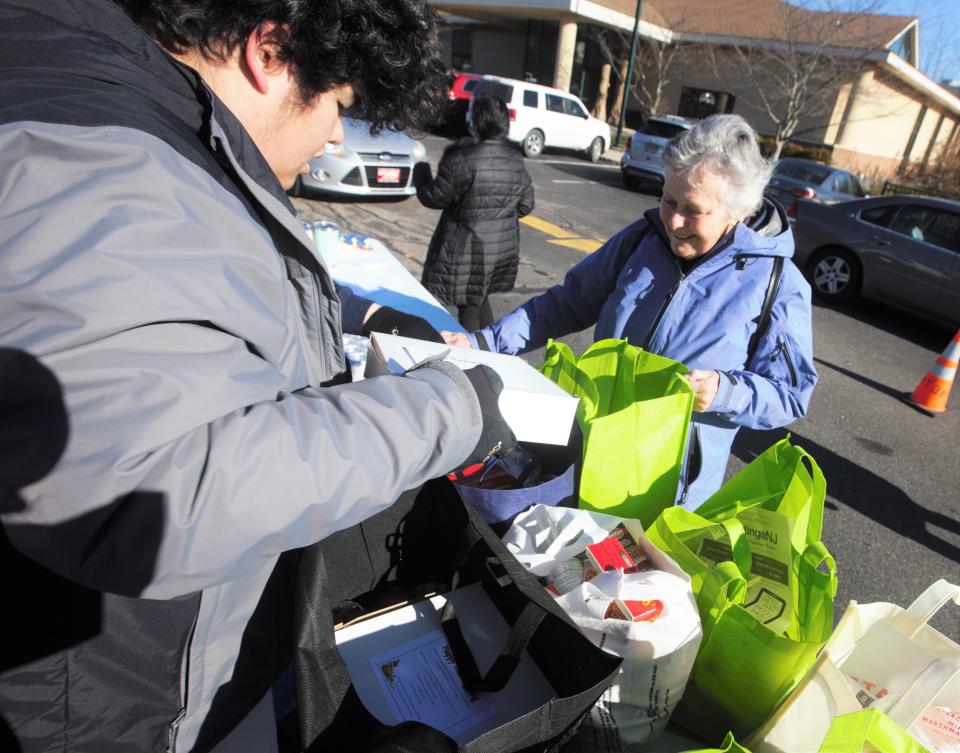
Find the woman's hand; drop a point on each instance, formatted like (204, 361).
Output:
(705, 385)
(458, 339)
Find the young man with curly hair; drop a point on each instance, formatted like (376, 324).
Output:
(155, 276)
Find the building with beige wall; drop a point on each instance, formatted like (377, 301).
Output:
(882, 116)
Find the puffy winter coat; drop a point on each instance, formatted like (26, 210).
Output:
(152, 267)
(483, 189)
(634, 287)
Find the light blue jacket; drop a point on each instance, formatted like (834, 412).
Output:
(633, 287)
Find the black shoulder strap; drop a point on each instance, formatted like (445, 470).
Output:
(643, 234)
(763, 322)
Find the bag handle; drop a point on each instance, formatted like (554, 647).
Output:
(818, 493)
(722, 585)
(926, 605)
(848, 733)
(676, 520)
(510, 655)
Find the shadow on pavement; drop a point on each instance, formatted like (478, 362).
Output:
(910, 327)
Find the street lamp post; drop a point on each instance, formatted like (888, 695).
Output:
(626, 84)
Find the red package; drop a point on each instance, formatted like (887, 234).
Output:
(646, 610)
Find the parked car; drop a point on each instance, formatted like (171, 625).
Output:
(542, 117)
(904, 250)
(795, 178)
(458, 100)
(642, 160)
(363, 164)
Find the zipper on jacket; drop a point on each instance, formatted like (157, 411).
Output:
(784, 351)
(174, 727)
(694, 454)
(663, 308)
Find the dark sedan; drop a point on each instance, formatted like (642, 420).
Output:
(904, 250)
(794, 178)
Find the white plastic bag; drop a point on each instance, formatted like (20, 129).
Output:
(657, 655)
(884, 657)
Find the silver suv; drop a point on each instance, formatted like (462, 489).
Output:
(642, 160)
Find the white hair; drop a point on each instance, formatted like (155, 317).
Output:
(726, 146)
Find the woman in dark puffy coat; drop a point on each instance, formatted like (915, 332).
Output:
(483, 189)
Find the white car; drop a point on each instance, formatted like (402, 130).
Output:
(364, 165)
(543, 117)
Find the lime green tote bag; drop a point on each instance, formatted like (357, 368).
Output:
(764, 584)
(634, 413)
(867, 731)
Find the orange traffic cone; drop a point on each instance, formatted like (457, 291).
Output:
(934, 389)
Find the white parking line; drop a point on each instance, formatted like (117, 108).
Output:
(582, 163)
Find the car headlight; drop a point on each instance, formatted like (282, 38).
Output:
(335, 150)
(419, 152)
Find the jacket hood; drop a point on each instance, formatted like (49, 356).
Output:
(765, 233)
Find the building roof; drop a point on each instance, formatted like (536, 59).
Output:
(773, 20)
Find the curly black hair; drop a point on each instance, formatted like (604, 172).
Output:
(387, 49)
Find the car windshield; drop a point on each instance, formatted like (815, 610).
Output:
(808, 173)
(660, 129)
(494, 89)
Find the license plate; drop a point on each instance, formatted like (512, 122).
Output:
(650, 147)
(388, 175)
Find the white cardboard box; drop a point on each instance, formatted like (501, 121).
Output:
(535, 408)
(402, 667)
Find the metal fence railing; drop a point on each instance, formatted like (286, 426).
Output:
(891, 188)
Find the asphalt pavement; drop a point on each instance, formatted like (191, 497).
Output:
(893, 473)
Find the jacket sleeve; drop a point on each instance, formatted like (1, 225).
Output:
(775, 387)
(525, 206)
(569, 307)
(444, 190)
(353, 309)
(179, 347)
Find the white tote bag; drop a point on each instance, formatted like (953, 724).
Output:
(657, 655)
(884, 657)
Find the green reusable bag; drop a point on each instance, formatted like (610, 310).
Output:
(729, 745)
(634, 413)
(867, 731)
(754, 555)
(852, 733)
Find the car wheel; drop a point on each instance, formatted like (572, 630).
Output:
(835, 274)
(595, 150)
(296, 189)
(533, 143)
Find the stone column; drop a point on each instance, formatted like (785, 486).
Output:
(566, 48)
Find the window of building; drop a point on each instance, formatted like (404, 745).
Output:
(904, 47)
(700, 103)
(461, 50)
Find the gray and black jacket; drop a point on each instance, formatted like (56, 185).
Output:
(153, 268)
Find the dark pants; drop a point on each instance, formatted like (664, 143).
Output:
(475, 317)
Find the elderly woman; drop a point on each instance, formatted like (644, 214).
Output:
(689, 282)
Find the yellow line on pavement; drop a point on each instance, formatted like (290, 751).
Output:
(580, 244)
(563, 237)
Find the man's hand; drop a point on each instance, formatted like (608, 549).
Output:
(496, 437)
(457, 339)
(393, 322)
(705, 385)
